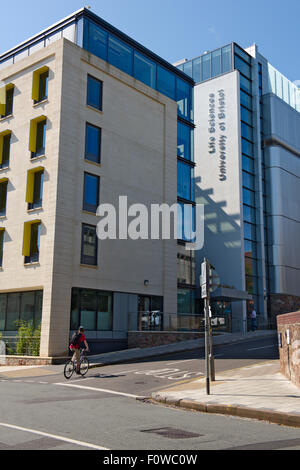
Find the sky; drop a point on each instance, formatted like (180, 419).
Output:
(175, 29)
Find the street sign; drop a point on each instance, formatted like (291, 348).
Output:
(204, 291)
(203, 277)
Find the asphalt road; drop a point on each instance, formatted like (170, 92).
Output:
(103, 411)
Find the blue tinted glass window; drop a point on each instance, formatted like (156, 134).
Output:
(216, 63)
(249, 214)
(144, 70)
(242, 54)
(184, 99)
(244, 68)
(94, 92)
(226, 59)
(246, 115)
(184, 142)
(92, 143)
(246, 100)
(247, 147)
(197, 69)
(248, 197)
(120, 55)
(206, 67)
(91, 192)
(188, 68)
(245, 84)
(250, 248)
(247, 131)
(249, 231)
(166, 82)
(248, 180)
(248, 164)
(185, 181)
(97, 40)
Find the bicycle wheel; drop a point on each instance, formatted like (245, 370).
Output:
(69, 369)
(84, 366)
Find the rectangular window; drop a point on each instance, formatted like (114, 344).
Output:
(206, 67)
(245, 84)
(246, 115)
(227, 59)
(185, 181)
(31, 241)
(248, 164)
(12, 312)
(89, 245)
(40, 84)
(246, 100)
(34, 192)
(244, 68)
(249, 231)
(144, 70)
(184, 95)
(5, 138)
(120, 55)
(1, 248)
(197, 70)
(37, 139)
(216, 63)
(166, 82)
(247, 148)
(6, 100)
(92, 143)
(247, 131)
(93, 309)
(94, 92)
(3, 196)
(97, 40)
(248, 197)
(248, 180)
(185, 148)
(26, 306)
(91, 192)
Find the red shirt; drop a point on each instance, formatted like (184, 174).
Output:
(82, 338)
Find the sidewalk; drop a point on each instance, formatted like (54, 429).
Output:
(257, 392)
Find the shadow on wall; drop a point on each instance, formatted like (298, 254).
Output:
(222, 239)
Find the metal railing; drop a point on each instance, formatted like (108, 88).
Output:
(28, 345)
(162, 321)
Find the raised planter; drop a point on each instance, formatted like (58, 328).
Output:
(288, 327)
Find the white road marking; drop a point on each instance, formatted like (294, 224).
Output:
(54, 436)
(179, 362)
(263, 347)
(103, 390)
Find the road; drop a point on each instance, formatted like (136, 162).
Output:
(39, 409)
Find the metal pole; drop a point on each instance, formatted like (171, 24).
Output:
(207, 362)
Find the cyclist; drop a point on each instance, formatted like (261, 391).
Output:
(77, 339)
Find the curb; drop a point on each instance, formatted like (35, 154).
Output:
(275, 417)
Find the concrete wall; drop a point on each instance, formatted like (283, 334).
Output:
(289, 330)
(223, 243)
(139, 160)
(139, 138)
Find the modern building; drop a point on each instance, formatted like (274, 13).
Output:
(247, 149)
(89, 115)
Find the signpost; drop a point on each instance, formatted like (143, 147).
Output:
(205, 293)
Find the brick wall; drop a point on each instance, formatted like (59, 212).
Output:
(288, 326)
(148, 339)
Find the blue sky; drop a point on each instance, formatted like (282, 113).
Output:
(175, 29)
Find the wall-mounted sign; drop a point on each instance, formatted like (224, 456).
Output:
(217, 142)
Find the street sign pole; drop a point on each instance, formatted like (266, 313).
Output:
(205, 295)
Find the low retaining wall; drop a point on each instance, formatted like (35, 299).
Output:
(30, 361)
(288, 327)
(149, 339)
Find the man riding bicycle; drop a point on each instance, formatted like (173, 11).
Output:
(77, 339)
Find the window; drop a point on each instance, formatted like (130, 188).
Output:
(89, 245)
(216, 63)
(37, 139)
(206, 67)
(3, 196)
(95, 40)
(227, 59)
(184, 98)
(166, 82)
(93, 309)
(18, 306)
(34, 193)
(247, 131)
(2, 230)
(6, 100)
(91, 192)
(244, 68)
(94, 92)
(144, 70)
(31, 241)
(185, 181)
(120, 55)
(4, 148)
(246, 100)
(185, 146)
(92, 143)
(40, 84)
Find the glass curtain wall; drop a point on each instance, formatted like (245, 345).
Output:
(243, 63)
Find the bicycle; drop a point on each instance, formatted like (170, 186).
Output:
(70, 366)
